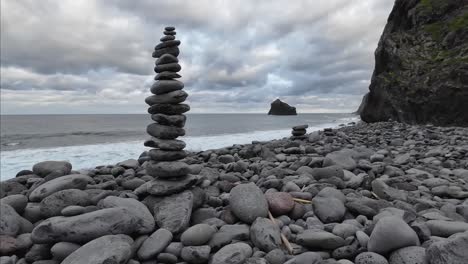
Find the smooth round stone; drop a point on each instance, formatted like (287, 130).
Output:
(167, 155)
(340, 158)
(173, 67)
(275, 256)
(164, 132)
(174, 97)
(165, 144)
(196, 254)
(166, 58)
(308, 258)
(155, 244)
(10, 221)
(298, 133)
(58, 168)
(408, 255)
(170, 120)
(53, 204)
(167, 44)
(370, 258)
(61, 250)
(166, 86)
(451, 250)
(167, 75)
(446, 228)
(328, 209)
(319, 239)
(391, 233)
(235, 253)
(265, 234)
(167, 258)
(248, 202)
(73, 210)
(171, 50)
(166, 169)
(280, 203)
(197, 235)
(73, 181)
(17, 201)
(7, 245)
(301, 127)
(160, 187)
(169, 33)
(169, 28)
(166, 38)
(328, 172)
(168, 109)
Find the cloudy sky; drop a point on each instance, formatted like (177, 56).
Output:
(73, 56)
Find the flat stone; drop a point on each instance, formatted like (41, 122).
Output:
(308, 258)
(53, 204)
(171, 50)
(228, 234)
(129, 164)
(301, 127)
(58, 168)
(166, 58)
(166, 75)
(166, 38)
(166, 86)
(17, 201)
(170, 120)
(73, 210)
(196, 254)
(10, 220)
(343, 159)
(165, 144)
(370, 258)
(235, 253)
(155, 244)
(85, 227)
(169, 109)
(345, 230)
(166, 155)
(61, 250)
(276, 256)
(161, 187)
(145, 223)
(106, 249)
(280, 203)
(164, 132)
(298, 133)
(11, 186)
(328, 172)
(446, 228)
(329, 210)
(315, 239)
(265, 234)
(166, 169)
(169, 28)
(167, 44)
(391, 233)
(408, 255)
(197, 235)
(248, 202)
(173, 212)
(174, 97)
(73, 181)
(383, 191)
(169, 32)
(172, 67)
(451, 250)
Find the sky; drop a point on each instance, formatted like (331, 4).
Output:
(237, 56)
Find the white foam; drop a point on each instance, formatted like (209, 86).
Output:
(90, 156)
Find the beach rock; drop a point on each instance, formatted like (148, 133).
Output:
(173, 212)
(73, 181)
(280, 108)
(197, 235)
(85, 227)
(171, 50)
(166, 44)
(383, 191)
(248, 202)
(166, 155)
(53, 204)
(10, 187)
(165, 144)
(329, 210)
(408, 255)
(7, 245)
(17, 201)
(105, 249)
(164, 132)
(155, 244)
(38, 252)
(168, 109)
(145, 220)
(280, 203)
(167, 58)
(172, 67)
(57, 168)
(370, 258)
(446, 228)
(319, 239)
(265, 234)
(228, 234)
(196, 254)
(235, 253)
(61, 250)
(174, 97)
(391, 233)
(276, 256)
(170, 120)
(166, 75)
(161, 187)
(342, 158)
(451, 250)
(165, 169)
(10, 220)
(328, 172)
(129, 164)
(308, 258)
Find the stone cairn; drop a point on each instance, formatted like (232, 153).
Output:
(299, 131)
(167, 110)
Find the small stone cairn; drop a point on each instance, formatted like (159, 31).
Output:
(167, 110)
(299, 131)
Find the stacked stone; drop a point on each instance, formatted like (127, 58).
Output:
(299, 131)
(167, 110)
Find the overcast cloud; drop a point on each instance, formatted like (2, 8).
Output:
(74, 56)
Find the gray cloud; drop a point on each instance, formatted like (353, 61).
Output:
(236, 55)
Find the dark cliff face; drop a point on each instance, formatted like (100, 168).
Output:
(280, 108)
(421, 65)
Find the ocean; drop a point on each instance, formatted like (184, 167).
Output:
(91, 140)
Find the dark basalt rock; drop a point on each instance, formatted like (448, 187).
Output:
(281, 108)
(421, 66)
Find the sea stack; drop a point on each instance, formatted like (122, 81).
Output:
(167, 110)
(279, 107)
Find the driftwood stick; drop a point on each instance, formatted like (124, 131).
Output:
(375, 195)
(283, 238)
(302, 201)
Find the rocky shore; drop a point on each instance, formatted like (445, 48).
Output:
(365, 193)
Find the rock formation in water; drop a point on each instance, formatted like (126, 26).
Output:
(421, 65)
(281, 108)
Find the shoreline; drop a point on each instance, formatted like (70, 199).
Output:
(337, 194)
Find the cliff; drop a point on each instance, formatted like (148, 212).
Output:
(421, 65)
(281, 108)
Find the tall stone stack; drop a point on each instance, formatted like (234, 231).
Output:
(167, 110)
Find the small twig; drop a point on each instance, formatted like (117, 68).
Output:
(302, 200)
(283, 238)
(375, 195)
